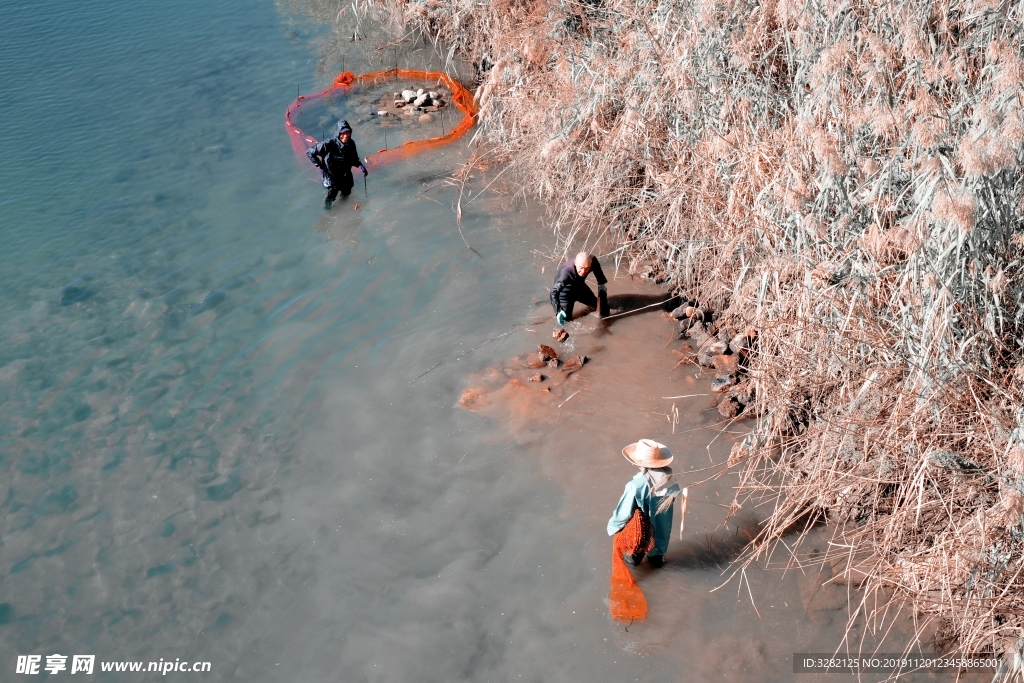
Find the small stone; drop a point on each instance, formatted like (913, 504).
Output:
(535, 364)
(682, 327)
(559, 335)
(382, 112)
(573, 365)
(425, 118)
(729, 407)
(679, 313)
(547, 352)
(554, 363)
(743, 392)
(419, 92)
(399, 104)
(356, 207)
(707, 352)
(433, 95)
(421, 100)
(537, 378)
(721, 383)
(742, 342)
(697, 332)
(408, 95)
(726, 364)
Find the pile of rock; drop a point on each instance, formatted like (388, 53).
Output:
(718, 348)
(548, 357)
(412, 102)
(418, 98)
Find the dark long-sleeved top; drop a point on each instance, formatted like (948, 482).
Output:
(335, 160)
(568, 283)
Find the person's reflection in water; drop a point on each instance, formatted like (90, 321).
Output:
(342, 227)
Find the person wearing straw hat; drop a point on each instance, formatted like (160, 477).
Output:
(653, 491)
(570, 286)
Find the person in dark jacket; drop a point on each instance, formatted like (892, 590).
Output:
(335, 158)
(570, 287)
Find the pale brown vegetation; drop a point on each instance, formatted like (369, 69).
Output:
(844, 177)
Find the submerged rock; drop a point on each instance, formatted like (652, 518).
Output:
(537, 378)
(559, 335)
(554, 363)
(536, 363)
(574, 364)
(546, 352)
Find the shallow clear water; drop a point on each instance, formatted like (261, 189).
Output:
(212, 448)
(217, 442)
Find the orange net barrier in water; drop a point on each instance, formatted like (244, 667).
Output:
(346, 80)
(626, 600)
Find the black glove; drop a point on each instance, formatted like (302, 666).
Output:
(363, 169)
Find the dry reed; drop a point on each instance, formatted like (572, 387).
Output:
(844, 177)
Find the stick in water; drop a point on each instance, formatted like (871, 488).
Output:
(660, 303)
(682, 513)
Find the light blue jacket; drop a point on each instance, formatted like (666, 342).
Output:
(638, 494)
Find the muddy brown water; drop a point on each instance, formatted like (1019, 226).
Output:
(634, 386)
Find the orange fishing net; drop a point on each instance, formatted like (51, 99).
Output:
(626, 600)
(346, 80)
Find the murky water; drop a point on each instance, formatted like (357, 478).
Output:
(218, 440)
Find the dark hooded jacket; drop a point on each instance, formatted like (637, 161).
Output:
(335, 159)
(569, 286)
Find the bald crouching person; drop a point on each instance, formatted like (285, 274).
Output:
(570, 286)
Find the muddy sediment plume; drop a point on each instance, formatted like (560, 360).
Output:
(846, 180)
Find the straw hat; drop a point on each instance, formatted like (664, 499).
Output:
(648, 453)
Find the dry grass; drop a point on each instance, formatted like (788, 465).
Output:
(845, 177)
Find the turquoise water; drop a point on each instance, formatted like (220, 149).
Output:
(212, 444)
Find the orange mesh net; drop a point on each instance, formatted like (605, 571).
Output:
(346, 80)
(626, 600)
